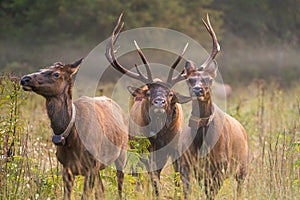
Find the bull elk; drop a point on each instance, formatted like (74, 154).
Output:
(109, 128)
(215, 143)
(156, 113)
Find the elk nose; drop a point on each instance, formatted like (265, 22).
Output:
(25, 79)
(159, 102)
(198, 90)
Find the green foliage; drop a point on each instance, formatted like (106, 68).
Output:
(262, 21)
(40, 22)
(138, 150)
(11, 127)
(49, 21)
(37, 29)
(140, 145)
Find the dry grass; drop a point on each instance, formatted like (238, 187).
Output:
(270, 114)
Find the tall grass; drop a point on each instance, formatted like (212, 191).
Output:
(270, 114)
(28, 168)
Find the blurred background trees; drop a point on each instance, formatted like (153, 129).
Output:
(257, 37)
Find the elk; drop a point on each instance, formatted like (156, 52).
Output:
(214, 144)
(97, 119)
(155, 112)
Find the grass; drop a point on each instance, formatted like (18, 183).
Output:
(269, 113)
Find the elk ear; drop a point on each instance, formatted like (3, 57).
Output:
(178, 98)
(190, 66)
(75, 66)
(134, 91)
(212, 69)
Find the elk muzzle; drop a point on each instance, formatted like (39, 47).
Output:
(159, 105)
(198, 91)
(25, 81)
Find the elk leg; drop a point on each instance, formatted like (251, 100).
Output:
(240, 177)
(176, 165)
(155, 177)
(185, 178)
(120, 177)
(89, 183)
(68, 179)
(120, 164)
(213, 182)
(99, 193)
(156, 165)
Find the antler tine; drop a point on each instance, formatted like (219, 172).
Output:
(179, 58)
(110, 44)
(138, 70)
(110, 53)
(178, 78)
(216, 46)
(146, 63)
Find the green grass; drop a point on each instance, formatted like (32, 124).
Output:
(269, 113)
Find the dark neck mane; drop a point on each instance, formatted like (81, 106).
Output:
(169, 118)
(202, 109)
(59, 109)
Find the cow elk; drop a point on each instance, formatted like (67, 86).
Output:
(215, 144)
(109, 130)
(155, 113)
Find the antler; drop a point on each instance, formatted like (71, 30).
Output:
(216, 46)
(173, 80)
(149, 74)
(110, 55)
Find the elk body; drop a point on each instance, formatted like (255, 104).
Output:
(98, 119)
(214, 144)
(155, 112)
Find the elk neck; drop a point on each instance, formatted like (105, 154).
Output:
(202, 109)
(171, 114)
(59, 109)
(158, 123)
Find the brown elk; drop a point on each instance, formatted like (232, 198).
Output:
(215, 143)
(97, 119)
(156, 113)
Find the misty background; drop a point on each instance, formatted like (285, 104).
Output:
(259, 39)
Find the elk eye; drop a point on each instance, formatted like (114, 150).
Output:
(56, 74)
(171, 94)
(148, 93)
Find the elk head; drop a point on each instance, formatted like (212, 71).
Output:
(158, 94)
(51, 81)
(200, 79)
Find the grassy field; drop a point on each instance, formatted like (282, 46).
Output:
(269, 113)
